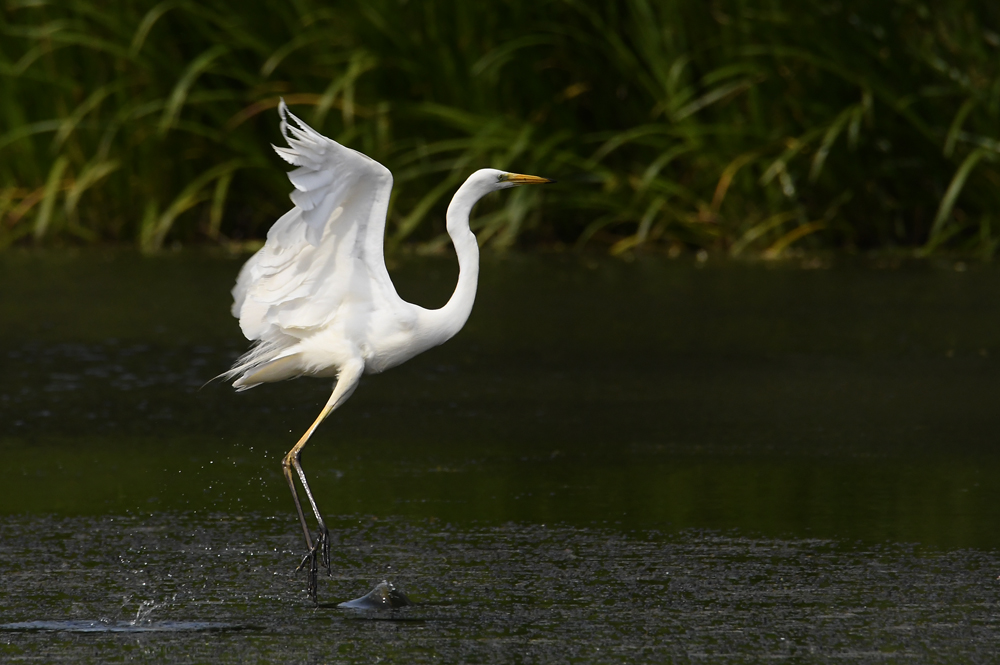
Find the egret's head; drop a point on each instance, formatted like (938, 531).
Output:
(478, 185)
(493, 179)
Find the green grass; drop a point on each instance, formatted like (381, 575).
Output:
(738, 126)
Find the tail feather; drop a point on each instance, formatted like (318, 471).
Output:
(264, 362)
(279, 369)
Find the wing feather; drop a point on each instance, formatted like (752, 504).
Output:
(317, 252)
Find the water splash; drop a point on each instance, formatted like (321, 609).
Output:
(146, 608)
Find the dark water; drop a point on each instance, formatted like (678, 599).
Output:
(613, 462)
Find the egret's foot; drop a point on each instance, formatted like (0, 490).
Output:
(385, 596)
(319, 554)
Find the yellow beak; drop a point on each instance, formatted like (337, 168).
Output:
(519, 179)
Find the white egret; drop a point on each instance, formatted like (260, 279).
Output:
(317, 299)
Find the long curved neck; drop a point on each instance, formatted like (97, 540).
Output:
(449, 319)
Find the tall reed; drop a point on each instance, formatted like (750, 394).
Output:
(733, 125)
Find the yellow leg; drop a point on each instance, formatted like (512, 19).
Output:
(347, 381)
(291, 461)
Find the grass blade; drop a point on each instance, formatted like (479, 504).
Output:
(52, 186)
(180, 91)
(951, 195)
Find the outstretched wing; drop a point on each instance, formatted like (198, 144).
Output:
(324, 250)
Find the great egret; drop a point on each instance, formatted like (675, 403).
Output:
(317, 299)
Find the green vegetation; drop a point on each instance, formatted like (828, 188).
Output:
(732, 125)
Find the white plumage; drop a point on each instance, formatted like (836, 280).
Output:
(317, 299)
(322, 258)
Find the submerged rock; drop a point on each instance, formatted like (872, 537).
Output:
(385, 596)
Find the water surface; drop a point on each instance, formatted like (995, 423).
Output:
(612, 462)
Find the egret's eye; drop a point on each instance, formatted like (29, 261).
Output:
(501, 177)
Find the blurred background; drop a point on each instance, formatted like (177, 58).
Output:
(815, 130)
(700, 131)
(729, 388)
(734, 126)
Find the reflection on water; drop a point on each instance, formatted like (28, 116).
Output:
(115, 627)
(654, 415)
